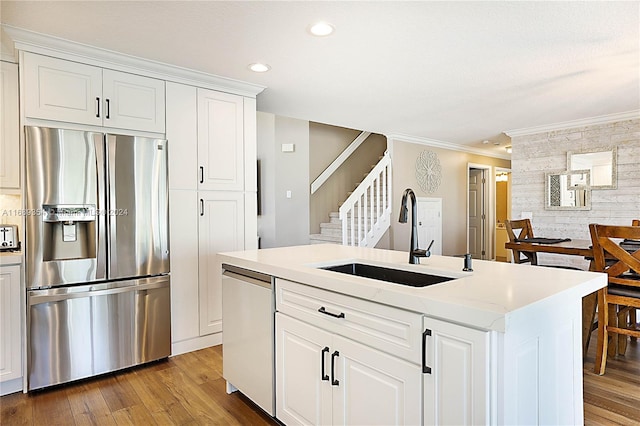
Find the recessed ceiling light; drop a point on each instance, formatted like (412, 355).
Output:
(258, 67)
(321, 29)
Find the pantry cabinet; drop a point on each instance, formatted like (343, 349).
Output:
(61, 90)
(9, 127)
(323, 378)
(10, 327)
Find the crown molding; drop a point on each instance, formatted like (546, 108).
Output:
(65, 49)
(445, 145)
(602, 119)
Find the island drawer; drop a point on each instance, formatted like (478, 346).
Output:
(383, 327)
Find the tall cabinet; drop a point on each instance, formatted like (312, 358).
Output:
(212, 189)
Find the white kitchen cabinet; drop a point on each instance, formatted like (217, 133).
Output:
(60, 90)
(182, 136)
(10, 328)
(9, 127)
(323, 378)
(456, 385)
(221, 229)
(221, 155)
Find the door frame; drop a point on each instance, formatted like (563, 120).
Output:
(496, 171)
(489, 202)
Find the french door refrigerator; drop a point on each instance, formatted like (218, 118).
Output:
(96, 251)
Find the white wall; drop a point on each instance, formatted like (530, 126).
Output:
(535, 154)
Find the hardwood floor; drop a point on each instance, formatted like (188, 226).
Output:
(189, 390)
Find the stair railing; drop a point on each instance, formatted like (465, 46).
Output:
(366, 214)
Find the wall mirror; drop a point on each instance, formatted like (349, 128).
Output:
(568, 190)
(601, 163)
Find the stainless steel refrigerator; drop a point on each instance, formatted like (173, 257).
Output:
(97, 253)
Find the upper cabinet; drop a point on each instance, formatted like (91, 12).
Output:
(61, 90)
(9, 133)
(220, 141)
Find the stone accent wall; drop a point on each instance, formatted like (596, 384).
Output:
(534, 155)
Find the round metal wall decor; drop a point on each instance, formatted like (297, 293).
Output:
(428, 171)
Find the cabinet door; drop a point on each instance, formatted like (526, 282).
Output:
(183, 240)
(182, 136)
(303, 363)
(133, 102)
(221, 228)
(374, 388)
(10, 324)
(9, 133)
(457, 389)
(220, 141)
(61, 90)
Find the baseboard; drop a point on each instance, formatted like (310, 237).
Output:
(11, 386)
(196, 343)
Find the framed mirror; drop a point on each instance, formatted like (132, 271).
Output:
(601, 163)
(568, 190)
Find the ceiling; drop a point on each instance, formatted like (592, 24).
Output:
(456, 72)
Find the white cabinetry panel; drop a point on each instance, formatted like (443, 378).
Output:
(62, 90)
(221, 228)
(220, 141)
(10, 324)
(182, 134)
(10, 137)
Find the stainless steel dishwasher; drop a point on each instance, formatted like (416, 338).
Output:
(248, 335)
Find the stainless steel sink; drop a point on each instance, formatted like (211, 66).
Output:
(396, 276)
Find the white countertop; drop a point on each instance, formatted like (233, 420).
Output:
(484, 298)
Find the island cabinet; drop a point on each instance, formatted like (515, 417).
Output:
(212, 202)
(60, 90)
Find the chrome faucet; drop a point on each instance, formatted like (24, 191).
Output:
(414, 253)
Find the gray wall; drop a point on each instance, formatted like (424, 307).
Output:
(283, 221)
(535, 154)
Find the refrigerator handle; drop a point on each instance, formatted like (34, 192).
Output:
(110, 153)
(201, 207)
(101, 218)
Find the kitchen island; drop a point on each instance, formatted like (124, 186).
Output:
(498, 345)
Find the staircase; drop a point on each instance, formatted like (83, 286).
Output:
(364, 216)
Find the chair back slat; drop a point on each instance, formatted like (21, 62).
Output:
(610, 257)
(525, 230)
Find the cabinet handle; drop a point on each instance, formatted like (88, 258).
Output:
(334, 381)
(201, 207)
(98, 107)
(323, 373)
(201, 174)
(322, 310)
(108, 110)
(425, 369)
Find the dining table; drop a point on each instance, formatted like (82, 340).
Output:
(582, 248)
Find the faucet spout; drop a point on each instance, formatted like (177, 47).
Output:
(414, 253)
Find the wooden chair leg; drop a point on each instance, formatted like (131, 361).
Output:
(633, 320)
(588, 315)
(612, 313)
(623, 338)
(603, 339)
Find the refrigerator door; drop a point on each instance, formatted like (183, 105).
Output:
(138, 206)
(65, 230)
(80, 331)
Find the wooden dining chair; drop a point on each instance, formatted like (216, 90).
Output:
(524, 230)
(623, 290)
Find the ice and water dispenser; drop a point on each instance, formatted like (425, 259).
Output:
(69, 232)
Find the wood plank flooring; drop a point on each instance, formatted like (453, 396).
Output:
(189, 390)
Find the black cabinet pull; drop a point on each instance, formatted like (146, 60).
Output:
(323, 373)
(201, 174)
(98, 107)
(108, 110)
(334, 381)
(425, 369)
(201, 207)
(322, 310)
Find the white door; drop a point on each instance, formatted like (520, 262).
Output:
(221, 228)
(430, 224)
(374, 388)
(62, 90)
(10, 344)
(220, 141)
(133, 102)
(477, 215)
(303, 364)
(9, 127)
(456, 391)
(183, 241)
